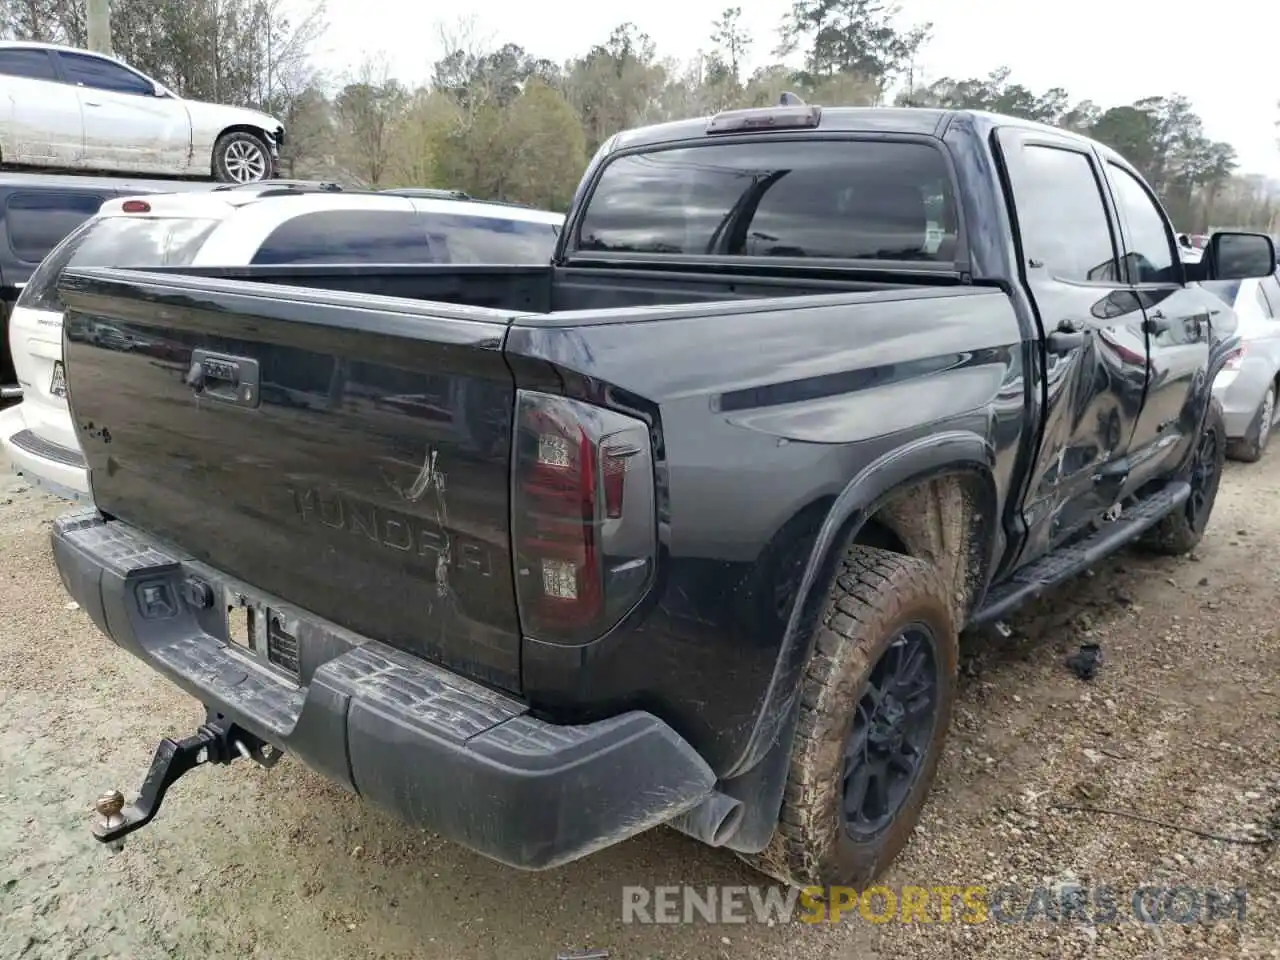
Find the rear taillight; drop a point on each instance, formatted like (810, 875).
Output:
(136, 206)
(1234, 359)
(584, 525)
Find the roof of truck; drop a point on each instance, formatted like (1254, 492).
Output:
(917, 121)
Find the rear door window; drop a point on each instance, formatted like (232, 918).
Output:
(826, 199)
(1062, 217)
(30, 63)
(348, 236)
(116, 242)
(36, 222)
(458, 238)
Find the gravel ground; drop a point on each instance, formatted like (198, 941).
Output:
(1181, 724)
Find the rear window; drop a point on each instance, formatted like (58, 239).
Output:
(845, 199)
(37, 222)
(116, 242)
(492, 240)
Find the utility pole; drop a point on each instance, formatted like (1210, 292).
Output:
(98, 20)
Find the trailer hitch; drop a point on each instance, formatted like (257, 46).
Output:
(218, 740)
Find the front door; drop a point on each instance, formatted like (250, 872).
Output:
(1179, 318)
(1093, 347)
(126, 126)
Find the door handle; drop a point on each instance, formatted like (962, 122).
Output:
(1156, 323)
(232, 380)
(92, 103)
(1069, 336)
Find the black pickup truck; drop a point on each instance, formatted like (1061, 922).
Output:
(680, 529)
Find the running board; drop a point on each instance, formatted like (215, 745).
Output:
(1069, 561)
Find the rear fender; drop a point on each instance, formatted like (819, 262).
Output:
(953, 452)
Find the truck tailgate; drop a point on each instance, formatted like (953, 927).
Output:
(350, 458)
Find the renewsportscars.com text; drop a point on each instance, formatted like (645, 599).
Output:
(1059, 903)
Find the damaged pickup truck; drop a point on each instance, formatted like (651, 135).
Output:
(680, 529)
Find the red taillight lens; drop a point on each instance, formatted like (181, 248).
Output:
(584, 523)
(136, 206)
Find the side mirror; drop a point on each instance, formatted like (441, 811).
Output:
(1239, 256)
(159, 90)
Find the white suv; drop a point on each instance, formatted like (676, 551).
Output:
(251, 224)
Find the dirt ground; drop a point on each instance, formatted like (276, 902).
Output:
(1182, 724)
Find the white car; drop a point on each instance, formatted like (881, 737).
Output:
(230, 227)
(1249, 381)
(78, 110)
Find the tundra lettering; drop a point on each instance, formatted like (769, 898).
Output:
(389, 528)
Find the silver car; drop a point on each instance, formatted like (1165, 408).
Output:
(1247, 384)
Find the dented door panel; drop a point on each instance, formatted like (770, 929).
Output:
(360, 471)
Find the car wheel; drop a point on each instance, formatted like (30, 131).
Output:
(876, 703)
(1180, 531)
(1253, 445)
(240, 157)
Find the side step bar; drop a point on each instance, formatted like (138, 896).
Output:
(1069, 561)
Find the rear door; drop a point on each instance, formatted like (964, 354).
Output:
(1092, 341)
(40, 120)
(281, 435)
(1178, 319)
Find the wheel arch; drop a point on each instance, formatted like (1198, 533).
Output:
(935, 499)
(262, 133)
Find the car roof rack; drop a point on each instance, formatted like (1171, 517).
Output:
(276, 187)
(440, 193)
(428, 193)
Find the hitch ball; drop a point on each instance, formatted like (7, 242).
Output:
(109, 806)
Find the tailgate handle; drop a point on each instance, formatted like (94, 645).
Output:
(232, 380)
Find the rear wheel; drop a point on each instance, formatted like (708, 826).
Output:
(240, 157)
(1181, 531)
(1253, 445)
(876, 706)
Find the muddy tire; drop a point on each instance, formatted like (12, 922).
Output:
(240, 157)
(877, 697)
(1251, 447)
(1181, 531)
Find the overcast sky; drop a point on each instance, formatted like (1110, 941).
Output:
(1109, 51)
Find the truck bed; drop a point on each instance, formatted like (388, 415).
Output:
(546, 290)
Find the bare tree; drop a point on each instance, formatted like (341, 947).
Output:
(367, 110)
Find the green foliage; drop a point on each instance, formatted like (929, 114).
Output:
(857, 37)
(1161, 136)
(502, 122)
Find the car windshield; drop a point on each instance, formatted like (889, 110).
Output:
(115, 242)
